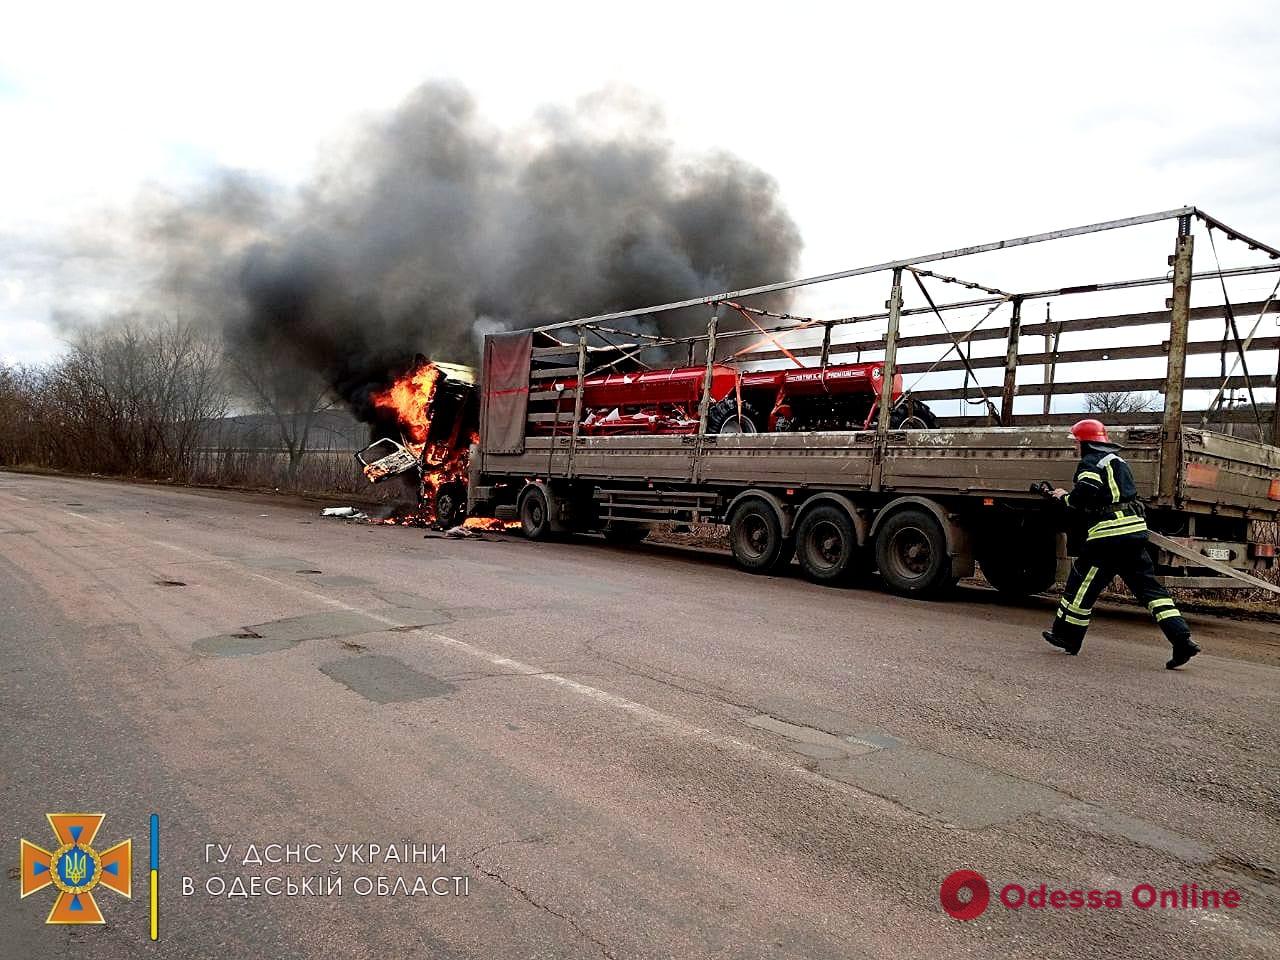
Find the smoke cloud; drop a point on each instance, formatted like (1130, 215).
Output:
(432, 226)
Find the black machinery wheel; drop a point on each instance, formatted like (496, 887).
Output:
(911, 552)
(827, 545)
(535, 513)
(912, 414)
(755, 534)
(724, 417)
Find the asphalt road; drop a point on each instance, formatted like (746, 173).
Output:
(626, 752)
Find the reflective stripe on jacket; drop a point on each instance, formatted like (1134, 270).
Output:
(1106, 493)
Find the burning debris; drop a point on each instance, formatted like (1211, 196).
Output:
(473, 528)
(345, 513)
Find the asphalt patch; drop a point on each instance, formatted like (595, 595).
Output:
(239, 645)
(385, 679)
(342, 580)
(287, 564)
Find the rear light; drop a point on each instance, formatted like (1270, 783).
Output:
(988, 501)
(1263, 549)
(1274, 492)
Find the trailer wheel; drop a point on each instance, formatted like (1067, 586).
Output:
(724, 417)
(911, 552)
(535, 513)
(755, 534)
(826, 545)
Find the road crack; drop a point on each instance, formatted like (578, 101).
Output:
(528, 898)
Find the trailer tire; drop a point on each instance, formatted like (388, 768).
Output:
(911, 553)
(535, 512)
(723, 417)
(827, 545)
(755, 535)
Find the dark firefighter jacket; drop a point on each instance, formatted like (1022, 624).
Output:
(1105, 495)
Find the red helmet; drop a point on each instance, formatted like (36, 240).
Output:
(1089, 431)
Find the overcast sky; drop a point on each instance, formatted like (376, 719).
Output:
(892, 129)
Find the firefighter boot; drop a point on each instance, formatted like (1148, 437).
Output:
(1184, 649)
(1069, 646)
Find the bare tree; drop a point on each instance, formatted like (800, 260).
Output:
(1122, 402)
(131, 396)
(292, 396)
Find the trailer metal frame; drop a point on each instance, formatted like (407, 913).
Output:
(569, 455)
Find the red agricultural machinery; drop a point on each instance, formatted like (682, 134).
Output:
(837, 397)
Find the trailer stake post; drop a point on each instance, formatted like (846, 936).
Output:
(1179, 316)
(1011, 366)
(1275, 412)
(577, 400)
(705, 403)
(886, 387)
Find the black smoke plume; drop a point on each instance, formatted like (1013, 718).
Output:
(433, 227)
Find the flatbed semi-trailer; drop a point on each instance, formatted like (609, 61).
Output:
(921, 506)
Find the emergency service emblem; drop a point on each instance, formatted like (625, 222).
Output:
(75, 867)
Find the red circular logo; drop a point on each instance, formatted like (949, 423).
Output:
(979, 894)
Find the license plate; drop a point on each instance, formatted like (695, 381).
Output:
(1217, 553)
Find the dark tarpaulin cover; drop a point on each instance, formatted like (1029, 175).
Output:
(506, 391)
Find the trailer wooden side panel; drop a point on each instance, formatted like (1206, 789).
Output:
(1002, 461)
(1219, 474)
(824, 461)
(1230, 474)
(657, 458)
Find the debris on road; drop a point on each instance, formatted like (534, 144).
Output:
(347, 513)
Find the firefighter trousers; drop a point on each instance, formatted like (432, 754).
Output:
(1099, 562)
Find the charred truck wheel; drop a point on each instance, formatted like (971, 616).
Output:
(827, 545)
(451, 505)
(534, 510)
(725, 417)
(755, 534)
(911, 553)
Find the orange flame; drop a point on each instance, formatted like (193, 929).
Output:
(409, 398)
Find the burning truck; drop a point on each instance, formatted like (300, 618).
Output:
(435, 407)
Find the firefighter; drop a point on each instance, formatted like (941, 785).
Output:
(1106, 498)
